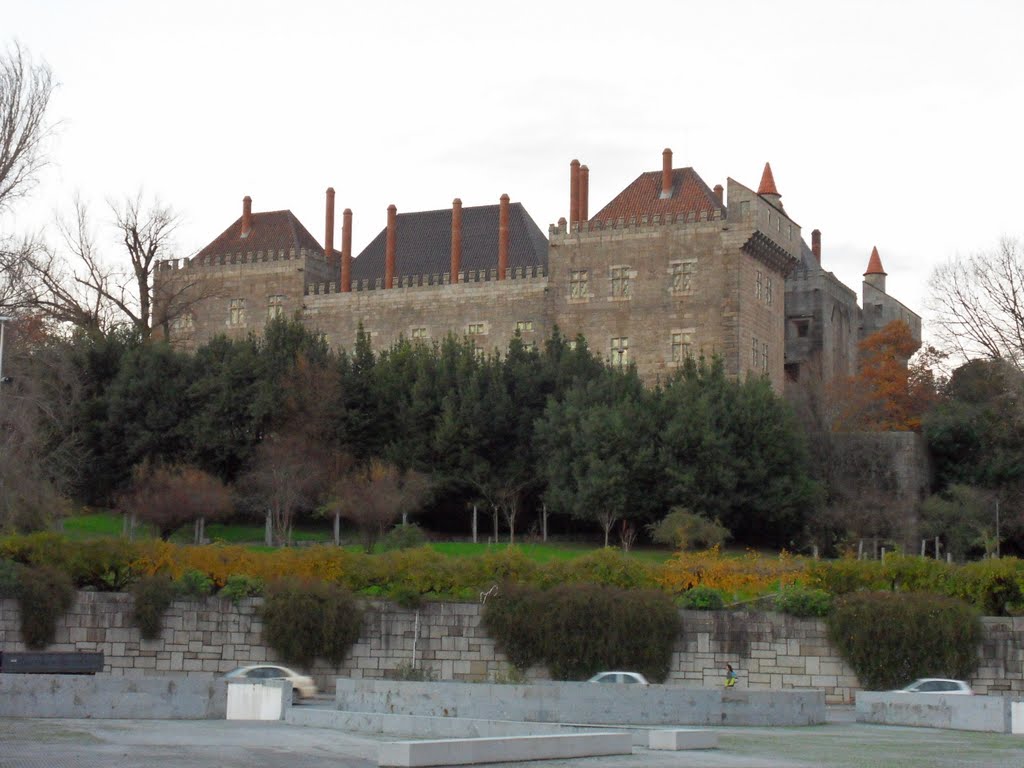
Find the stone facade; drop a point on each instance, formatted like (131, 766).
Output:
(210, 637)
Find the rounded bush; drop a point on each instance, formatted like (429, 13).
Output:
(891, 638)
(306, 620)
(802, 601)
(153, 596)
(44, 594)
(701, 598)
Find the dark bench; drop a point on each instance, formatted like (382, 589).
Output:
(32, 663)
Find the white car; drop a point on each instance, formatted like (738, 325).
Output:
(939, 685)
(303, 686)
(628, 678)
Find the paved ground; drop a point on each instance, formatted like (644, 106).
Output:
(26, 743)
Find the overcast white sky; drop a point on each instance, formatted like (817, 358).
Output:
(887, 123)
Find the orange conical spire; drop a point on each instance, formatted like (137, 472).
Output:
(875, 264)
(767, 186)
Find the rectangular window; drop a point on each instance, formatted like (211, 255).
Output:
(236, 313)
(758, 285)
(682, 276)
(183, 323)
(620, 282)
(754, 354)
(419, 333)
(764, 358)
(475, 329)
(524, 326)
(768, 291)
(571, 344)
(682, 346)
(275, 307)
(578, 288)
(620, 350)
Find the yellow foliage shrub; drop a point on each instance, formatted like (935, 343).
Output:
(746, 576)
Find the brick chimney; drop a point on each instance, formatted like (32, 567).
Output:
(666, 173)
(346, 250)
(574, 193)
(246, 216)
(816, 244)
(584, 193)
(720, 194)
(503, 237)
(389, 251)
(456, 240)
(329, 229)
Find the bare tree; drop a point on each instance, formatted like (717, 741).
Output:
(169, 497)
(25, 91)
(374, 496)
(977, 304)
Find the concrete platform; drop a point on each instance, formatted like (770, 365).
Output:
(682, 738)
(407, 754)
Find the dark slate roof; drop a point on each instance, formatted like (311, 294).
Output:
(423, 243)
(271, 231)
(643, 197)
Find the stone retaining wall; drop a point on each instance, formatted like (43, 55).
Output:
(444, 641)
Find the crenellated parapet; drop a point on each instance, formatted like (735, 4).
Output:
(246, 257)
(534, 274)
(643, 224)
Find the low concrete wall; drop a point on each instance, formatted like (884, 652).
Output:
(961, 713)
(103, 696)
(265, 700)
(584, 703)
(510, 749)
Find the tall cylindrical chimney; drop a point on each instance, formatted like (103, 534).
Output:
(816, 244)
(246, 216)
(584, 194)
(346, 250)
(503, 237)
(389, 251)
(456, 240)
(666, 173)
(329, 229)
(720, 193)
(574, 193)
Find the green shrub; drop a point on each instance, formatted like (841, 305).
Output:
(684, 530)
(576, 630)
(891, 638)
(912, 573)
(701, 598)
(153, 596)
(306, 620)
(101, 564)
(9, 578)
(406, 536)
(993, 586)
(797, 600)
(194, 583)
(240, 586)
(405, 596)
(608, 566)
(44, 594)
(840, 577)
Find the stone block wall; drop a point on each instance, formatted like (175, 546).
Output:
(204, 638)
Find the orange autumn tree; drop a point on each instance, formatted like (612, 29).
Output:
(886, 394)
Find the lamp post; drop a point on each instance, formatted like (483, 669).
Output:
(3, 326)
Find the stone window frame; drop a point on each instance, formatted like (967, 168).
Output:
(478, 328)
(759, 285)
(419, 333)
(618, 348)
(524, 326)
(681, 344)
(767, 290)
(579, 285)
(764, 357)
(183, 323)
(681, 273)
(620, 282)
(275, 306)
(236, 312)
(755, 356)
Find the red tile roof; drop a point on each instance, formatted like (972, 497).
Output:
(271, 231)
(875, 264)
(643, 197)
(767, 185)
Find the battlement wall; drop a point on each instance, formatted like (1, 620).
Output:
(433, 281)
(632, 224)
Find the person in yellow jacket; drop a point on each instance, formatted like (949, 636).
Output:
(730, 676)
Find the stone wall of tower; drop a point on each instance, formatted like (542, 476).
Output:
(822, 326)
(880, 309)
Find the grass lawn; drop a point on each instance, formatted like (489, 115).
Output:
(105, 524)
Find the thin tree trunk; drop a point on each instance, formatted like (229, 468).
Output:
(268, 530)
(544, 522)
(337, 529)
(494, 516)
(474, 523)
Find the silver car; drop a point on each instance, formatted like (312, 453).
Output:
(303, 686)
(629, 678)
(939, 685)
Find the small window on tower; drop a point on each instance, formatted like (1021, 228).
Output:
(620, 282)
(524, 326)
(275, 307)
(475, 329)
(620, 350)
(236, 312)
(578, 284)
